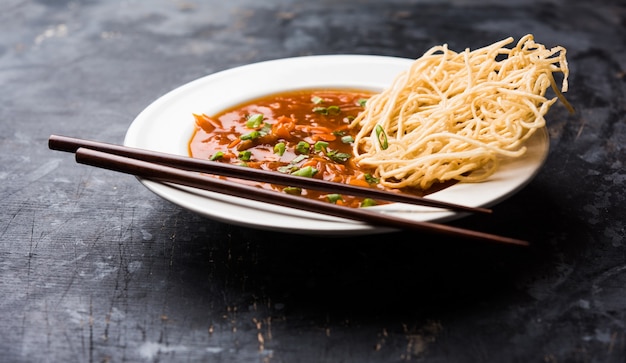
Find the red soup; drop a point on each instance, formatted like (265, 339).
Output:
(305, 132)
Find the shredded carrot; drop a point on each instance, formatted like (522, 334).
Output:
(323, 137)
(281, 119)
(320, 130)
(234, 142)
(358, 183)
(313, 129)
(283, 127)
(206, 123)
(310, 162)
(229, 156)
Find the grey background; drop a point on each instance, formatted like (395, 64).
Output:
(95, 268)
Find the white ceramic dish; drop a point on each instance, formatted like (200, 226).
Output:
(168, 123)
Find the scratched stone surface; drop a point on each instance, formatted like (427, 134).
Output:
(96, 268)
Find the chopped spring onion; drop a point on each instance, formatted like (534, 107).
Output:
(382, 137)
(266, 129)
(371, 179)
(279, 148)
(330, 110)
(303, 147)
(333, 198)
(317, 100)
(337, 156)
(293, 190)
(348, 139)
(368, 202)
(245, 155)
(321, 146)
(298, 159)
(362, 102)
(251, 135)
(218, 155)
(292, 164)
(334, 110)
(254, 121)
(257, 133)
(307, 171)
(287, 168)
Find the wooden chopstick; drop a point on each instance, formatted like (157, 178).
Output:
(163, 173)
(71, 144)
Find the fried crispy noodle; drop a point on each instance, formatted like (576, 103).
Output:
(451, 115)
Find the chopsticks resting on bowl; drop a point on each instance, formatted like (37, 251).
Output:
(187, 171)
(71, 144)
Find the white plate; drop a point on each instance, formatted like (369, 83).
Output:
(168, 123)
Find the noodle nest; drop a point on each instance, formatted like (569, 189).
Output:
(453, 116)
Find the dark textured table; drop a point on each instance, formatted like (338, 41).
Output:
(96, 268)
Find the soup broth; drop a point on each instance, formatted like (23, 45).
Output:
(304, 132)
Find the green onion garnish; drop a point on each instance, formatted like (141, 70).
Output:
(251, 135)
(333, 198)
(330, 110)
(286, 169)
(292, 164)
(362, 102)
(279, 148)
(218, 155)
(321, 146)
(298, 159)
(303, 147)
(254, 121)
(308, 172)
(333, 110)
(317, 100)
(245, 155)
(371, 179)
(348, 139)
(337, 156)
(266, 129)
(368, 202)
(293, 190)
(382, 137)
